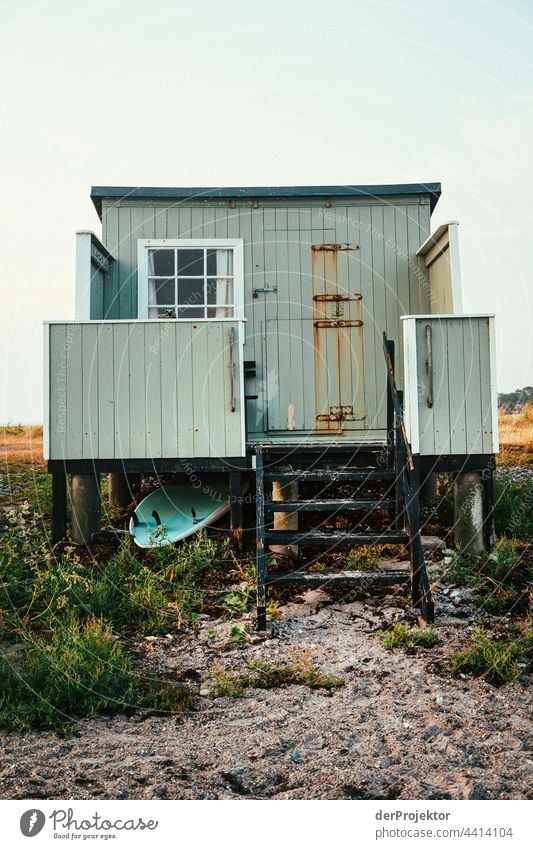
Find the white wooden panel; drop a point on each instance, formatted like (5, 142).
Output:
(57, 375)
(461, 420)
(106, 400)
(89, 378)
(185, 388)
(152, 364)
(169, 390)
(73, 368)
(121, 383)
(137, 391)
(145, 389)
(456, 371)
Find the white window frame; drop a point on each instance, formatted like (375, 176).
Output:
(238, 272)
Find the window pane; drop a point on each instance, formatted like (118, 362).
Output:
(220, 291)
(162, 262)
(190, 312)
(220, 312)
(190, 262)
(219, 262)
(161, 312)
(190, 292)
(161, 292)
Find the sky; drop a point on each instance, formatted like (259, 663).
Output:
(248, 92)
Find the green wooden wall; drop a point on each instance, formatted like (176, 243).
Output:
(278, 237)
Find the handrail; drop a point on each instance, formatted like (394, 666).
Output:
(409, 485)
(397, 406)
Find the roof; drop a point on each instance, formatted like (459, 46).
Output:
(99, 193)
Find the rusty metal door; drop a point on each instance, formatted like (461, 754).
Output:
(338, 343)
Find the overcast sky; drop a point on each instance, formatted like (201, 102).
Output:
(259, 92)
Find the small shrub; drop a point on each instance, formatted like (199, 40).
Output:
(401, 636)
(266, 675)
(484, 656)
(513, 507)
(236, 602)
(363, 558)
(239, 634)
(82, 671)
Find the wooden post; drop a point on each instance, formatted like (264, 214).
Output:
(236, 508)
(260, 543)
(285, 521)
(59, 506)
(85, 499)
(468, 512)
(121, 487)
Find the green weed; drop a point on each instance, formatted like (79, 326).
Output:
(495, 659)
(267, 675)
(401, 636)
(81, 671)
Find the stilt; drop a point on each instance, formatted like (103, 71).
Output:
(429, 489)
(260, 543)
(121, 488)
(59, 507)
(488, 508)
(285, 521)
(468, 512)
(85, 498)
(236, 508)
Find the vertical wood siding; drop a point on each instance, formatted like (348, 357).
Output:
(461, 420)
(277, 253)
(139, 389)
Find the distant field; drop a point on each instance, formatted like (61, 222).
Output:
(516, 436)
(20, 443)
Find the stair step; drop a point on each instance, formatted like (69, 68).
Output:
(364, 578)
(330, 475)
(316, 504)
(335, 537)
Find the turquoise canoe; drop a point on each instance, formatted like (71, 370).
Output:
(178, 510)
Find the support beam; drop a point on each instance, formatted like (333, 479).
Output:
(236, 508)
(429, 489)
(468, 512)
(59, 507)
(122, 488)
(285, 521)
(86, 507)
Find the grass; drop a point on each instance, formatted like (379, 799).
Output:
(402, 636)
(499, 579)
(513, 507)
(516, 430)
(266, 675)
(497, 660)
(81, 671)
(60, 612)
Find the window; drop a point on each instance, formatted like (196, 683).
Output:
(189, 279)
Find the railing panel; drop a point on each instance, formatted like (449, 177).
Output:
(144, 389)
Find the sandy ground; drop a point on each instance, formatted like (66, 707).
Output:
(401, 726)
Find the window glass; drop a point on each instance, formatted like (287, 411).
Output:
(162, 262)
(191, 312)
(162, 292)
(190, 283)
(190, 292)
(190, 263)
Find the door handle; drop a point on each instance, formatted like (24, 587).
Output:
(231, 334)
(429, 365)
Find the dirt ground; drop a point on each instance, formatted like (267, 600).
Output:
(400, 728)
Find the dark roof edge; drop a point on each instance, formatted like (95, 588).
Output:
(98, 193)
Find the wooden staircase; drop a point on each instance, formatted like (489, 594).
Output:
(389, 470)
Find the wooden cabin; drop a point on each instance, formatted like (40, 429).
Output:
(216, 326)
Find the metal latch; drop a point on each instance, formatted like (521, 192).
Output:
(264, 290)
